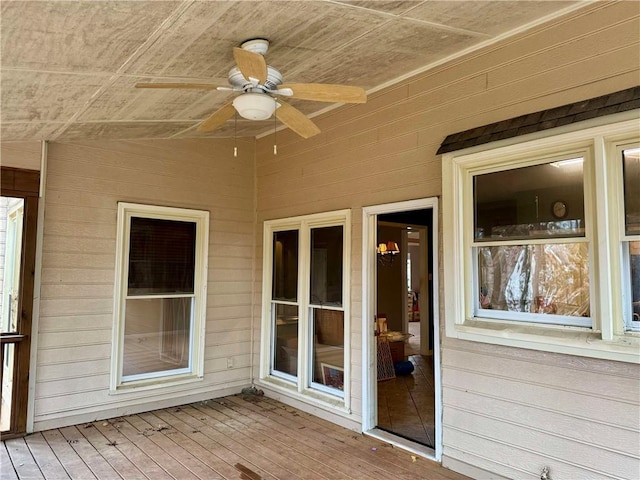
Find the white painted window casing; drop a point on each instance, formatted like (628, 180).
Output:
(298, 379)
(178, 350)
(604, 334)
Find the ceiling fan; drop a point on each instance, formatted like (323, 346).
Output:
(261, 90)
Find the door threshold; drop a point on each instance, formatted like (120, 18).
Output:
(401, 442)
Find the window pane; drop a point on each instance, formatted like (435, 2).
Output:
(285, 349)
(6, 402)
(285, 266)
(326, 266)
(11, 222)
(530, 202)
(631, 168)
(550, 279)
(161, 256)
(328, 347)
(634, 274)
(156, 335)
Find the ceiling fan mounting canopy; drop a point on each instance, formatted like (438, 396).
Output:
(258, 84)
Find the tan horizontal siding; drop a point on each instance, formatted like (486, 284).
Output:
(85, 182)
(507, 411)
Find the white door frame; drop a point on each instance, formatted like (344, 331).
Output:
(369, 375)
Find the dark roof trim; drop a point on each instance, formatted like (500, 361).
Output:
(616, 102)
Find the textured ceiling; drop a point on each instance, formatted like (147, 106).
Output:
(68, 67)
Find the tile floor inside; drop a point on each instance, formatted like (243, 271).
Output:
(406, 404)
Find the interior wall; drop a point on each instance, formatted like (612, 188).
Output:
(390, 290)
(85, 182)
(508, 411)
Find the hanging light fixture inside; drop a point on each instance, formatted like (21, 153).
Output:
(387, 252)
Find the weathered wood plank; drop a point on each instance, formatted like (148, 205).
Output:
(7, 471)
(44, 456)
(230, 438)
(147, 444)
(68, 457)
(111, 453)
(380, 462)
(162, 435)
(23, 462)
(336, 463)
(203, 448)
(98, 465)
(274, 450)
(130, 449)
(200, 421)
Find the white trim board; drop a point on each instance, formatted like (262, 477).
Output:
(369, 391)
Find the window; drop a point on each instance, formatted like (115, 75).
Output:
(160, 294)
(542, 242)
(630, 156)
(530, 249)
(306, 291)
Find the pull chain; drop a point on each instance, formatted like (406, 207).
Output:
(235, 135)
(275, 129)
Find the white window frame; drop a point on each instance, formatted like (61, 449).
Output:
(605, 337)
(620, 239)
(195, 370)
(302, 386)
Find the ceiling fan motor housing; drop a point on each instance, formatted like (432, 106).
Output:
(236, 79)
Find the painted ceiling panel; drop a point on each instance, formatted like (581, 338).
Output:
(76, 36)
(43, 96)
(489, 17)
(69, 67)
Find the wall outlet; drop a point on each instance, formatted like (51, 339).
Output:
(229, 362)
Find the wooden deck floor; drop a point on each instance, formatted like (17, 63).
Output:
(235, 437)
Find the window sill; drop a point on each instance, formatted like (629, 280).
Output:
(313, 397)
(566, 340)
(155, 383)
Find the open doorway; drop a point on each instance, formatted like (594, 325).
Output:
(18, 218)
(403, 385)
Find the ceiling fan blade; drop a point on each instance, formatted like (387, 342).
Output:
(296, 120)
(201, 86)
(251, 65)
(323, 92)
(218, 118)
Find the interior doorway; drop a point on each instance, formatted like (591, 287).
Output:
(18, 221)
(403, 401)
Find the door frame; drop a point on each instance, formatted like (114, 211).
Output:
(24, 184)
(369, 375)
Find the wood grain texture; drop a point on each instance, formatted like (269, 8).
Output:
(235, 438)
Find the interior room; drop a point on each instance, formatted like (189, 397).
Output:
(406, 390)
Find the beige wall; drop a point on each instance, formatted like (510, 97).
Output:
(85, 180)
(25, 155)
(506, 410)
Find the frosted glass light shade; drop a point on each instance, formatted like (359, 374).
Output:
(254, 106)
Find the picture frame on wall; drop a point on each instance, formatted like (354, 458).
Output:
(332, 376)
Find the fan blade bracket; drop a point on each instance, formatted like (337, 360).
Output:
(287, 92)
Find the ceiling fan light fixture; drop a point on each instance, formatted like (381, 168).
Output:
(254, 106)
